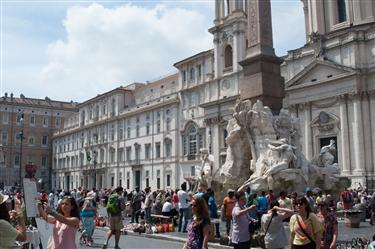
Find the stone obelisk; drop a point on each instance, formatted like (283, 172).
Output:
(262, 79)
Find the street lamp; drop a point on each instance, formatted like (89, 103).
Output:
(21, 137)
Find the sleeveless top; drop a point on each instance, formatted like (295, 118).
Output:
(64, 236)
(195, 234)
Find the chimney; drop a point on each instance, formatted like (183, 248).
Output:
(11, 97)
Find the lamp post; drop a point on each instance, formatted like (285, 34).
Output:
(95, 155)
(21, 137)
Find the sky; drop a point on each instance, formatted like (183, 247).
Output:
(74, 50)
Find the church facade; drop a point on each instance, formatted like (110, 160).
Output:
(330, 84)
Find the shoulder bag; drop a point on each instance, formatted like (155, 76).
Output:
(260, 237)
(303, 230)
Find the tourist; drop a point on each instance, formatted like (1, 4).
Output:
(271, 223)
(148, 204)
(241, 222)
(115, 206)
(372, 244)
(372, 209)
(88, 213)
(270, 196)
(168, 208)
(66, 223)
(136, 205)
(183, 205)
(51, 199)
(305, 228)
(198, 229)
(229, 203)
(346, 199)
(293, 198)
(262, 206)
(310, 199)
(249, 197)
(9, 234)
(212, 210)
(175, 198)
(329, 223)
(18, 201)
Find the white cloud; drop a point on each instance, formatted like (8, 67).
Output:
(107, 47)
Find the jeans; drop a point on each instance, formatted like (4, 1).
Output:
(148, 214)
(135, 214)
(183, 215)
(228, 221)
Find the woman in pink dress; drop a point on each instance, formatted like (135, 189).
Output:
(66, 223)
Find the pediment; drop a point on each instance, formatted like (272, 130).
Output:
(319, 71)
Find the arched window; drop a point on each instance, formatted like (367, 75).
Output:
(341, 8)
(228, 56)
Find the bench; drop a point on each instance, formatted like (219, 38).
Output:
(161, 218)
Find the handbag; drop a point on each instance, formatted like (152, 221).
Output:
(260, 237)
(303, 230)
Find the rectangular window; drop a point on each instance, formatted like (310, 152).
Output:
(158, 183)
(120, 155)
(45, 140)
(5, 117)
(137, 131)
(147, 151)
(183, 76)
(32, 120)
(128, 153)
(192, 171)
(157, 150)
(17, 160)
(58, 122)
(112, 181)
(45, 121)
(168, 180)
(147, 129)
(199, 69)
(168, 146)
(4, 138)
(44, 161)
(128, 183)
(112, 156)
(147, 182)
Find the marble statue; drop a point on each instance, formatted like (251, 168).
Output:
(266, 150)
(207, 168)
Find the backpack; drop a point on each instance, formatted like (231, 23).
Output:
(347, 197)
(113, 205)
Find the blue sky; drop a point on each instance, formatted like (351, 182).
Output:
(74, 50)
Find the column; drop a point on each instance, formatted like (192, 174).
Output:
(358, 143)
(217, 56)
(367, 131)
(308, 137)
(217, 9)
(344, 136)
(372, 121)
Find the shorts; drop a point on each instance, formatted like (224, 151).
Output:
(115, 223)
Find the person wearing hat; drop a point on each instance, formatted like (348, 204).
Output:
(88, 213)
(9, 234)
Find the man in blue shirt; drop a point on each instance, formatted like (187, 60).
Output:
(262, 205)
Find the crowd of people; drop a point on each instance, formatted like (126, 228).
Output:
(311, 217)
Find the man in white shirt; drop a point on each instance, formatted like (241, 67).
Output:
(183, 204)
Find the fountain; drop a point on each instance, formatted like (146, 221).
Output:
(264, 152)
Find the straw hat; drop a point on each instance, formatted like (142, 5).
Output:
(3, 198)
